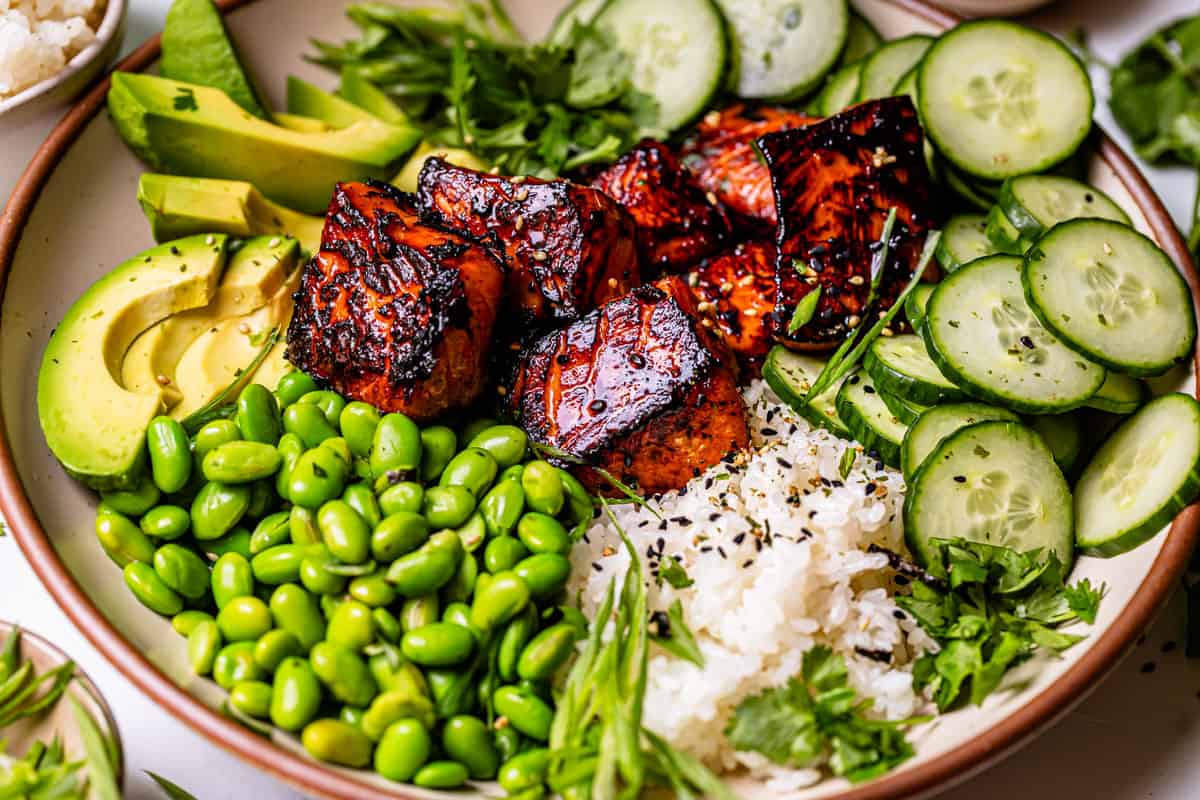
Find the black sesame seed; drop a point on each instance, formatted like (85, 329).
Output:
(869, 389)
(713, 517)
(898, 614)
(783, 462)
(747, 563)
(1149, 667)
(901, 580)
(721, 551)
(853, 380)
(662, 543)
(960, 478)
(662, 526)
(563, 359)
(596, 566)
(637, 360)
(769, 432)
(706, 548)
(741, 537)
(597, 406)
(869, 489)
(1025, 340)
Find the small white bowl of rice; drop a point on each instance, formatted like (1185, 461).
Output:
(51, 49)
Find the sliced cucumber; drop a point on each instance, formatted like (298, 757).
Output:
(914, 306)
(1145, 474)
(784, 48)
(1063, 435)
(884, 68)
(861, 39)
(906, 411)
(958, 184)
(1002, 234)
(840, 90)
(678, 52)
(982, 335)
(907, 85)
(1111, 294)
(791, 375)
(581, 11)
(1000, 99)
(901, 365)
(939, 422)
(1119, 394)
(1036, 203)
(869, 419)
(964, 239)
(992, 482)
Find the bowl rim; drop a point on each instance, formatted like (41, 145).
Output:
(293, 768)
(110, 26)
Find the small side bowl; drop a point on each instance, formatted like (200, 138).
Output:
(61, 720)
(80, 70)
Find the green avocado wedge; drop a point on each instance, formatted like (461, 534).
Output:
(369, 97)
(197, 48)
(185, 129)
(92, 424)
(306, 100)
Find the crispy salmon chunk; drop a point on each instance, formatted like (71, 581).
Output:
(720, 152)
(834, 183)
(677, 224)
(637, 387)
(737, 289)
(393, 310)
(568, 248)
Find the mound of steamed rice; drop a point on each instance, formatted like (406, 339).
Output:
(39, 37)
(776, 543)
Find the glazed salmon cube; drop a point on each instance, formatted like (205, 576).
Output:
(737, 290)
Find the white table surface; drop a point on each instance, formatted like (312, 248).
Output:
(1136, 737)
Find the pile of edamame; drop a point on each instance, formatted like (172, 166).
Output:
(390, 592)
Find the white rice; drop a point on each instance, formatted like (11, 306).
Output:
(756, 609)
(39, 37)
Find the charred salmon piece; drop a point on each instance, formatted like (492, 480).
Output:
(737, 290)
(677, 225)
(834, 184)
(637, 387)
(568, 248)
(720, 152)
(393, 310)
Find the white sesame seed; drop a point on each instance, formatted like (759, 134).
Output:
(274, 242)
(519, 222)
(751, 312)
(856, 280)
(163, 380)
(612, 283)
(1108, 251)
(244, 328)
(522, 195)
(210, 239)
(712, 198)
(853, 321)
(887, 332)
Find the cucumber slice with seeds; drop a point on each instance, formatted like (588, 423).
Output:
(869, 419)
(1063, 435)
(906, 411)
(1003, 235)
(914, 306)
(1119, 394)
(1000, 99)
(939, 422)
(1145, 474)
(884, 68)
(783, 48)
(790, 375)
(1033, 204)
(992, 482)
(983, 336)
(963, 240)
(901, 366)
(840, 90)
(1111, 294)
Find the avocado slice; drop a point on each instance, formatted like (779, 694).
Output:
(406, 179)
(176, 206)
(307, 100)
(255, 273)
(197, 48)
(369, 97)
(92, 424)
(295, 122)
(185, 129)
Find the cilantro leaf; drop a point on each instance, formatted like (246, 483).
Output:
(671, 571)
(1084, 600)
(780, 724)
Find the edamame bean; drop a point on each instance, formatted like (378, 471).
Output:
(263, 498)
(403, 749)
(417, 612)
(447, 506)
(217, 509)
(507, 742)
(231, 577)
(270, 531)
(293, 386)
(166, 522)
(252, 698)
(352, 625)
(372, 590)
(473, 469)
(472, 533)
(403, 496)
(302, 526)
(467, 740)
(344, 532)
(386, 623)
(451, 691)
(258, 415)
(281, 564)
(361, 498)
(545, 573)
(457, 614)
(290, 448)
(185, 621)
(124, 542)
(214, 434)
(394, 705)
(429, 568)
(441, 775)
(235, 663)
(460, 587)
(358, 422)
(297, 694)
(502, 507)
(273, 647)
(548, 651)
(526, 712)
(505, 596)
(147, 587)
(351, 715)
(543, 487)
(309, 423)
(438, 644)
(297, 612)
(204, 642)
(399, 533)
(396, 447)
(525, 771)
(132, 502)
(476, 427)
(513, 473)
(336, 742)
(343, 673)
(181, 570)
(505, 443)
(541, 533)
(316, 576)
(578, 500)
(438, 446)
(331, 404)
(236, 541)
(170, 454)
(503, 553)
(241, 462)
(319, 476)
(512, 643)
(243, 619)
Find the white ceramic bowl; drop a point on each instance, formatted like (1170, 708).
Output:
(992, 8)
(80, 70)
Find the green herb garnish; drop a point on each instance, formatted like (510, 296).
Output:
(172, 790)
(805, 310)
(677, 638)
(225, 403)
(671, 571)
(846, 462)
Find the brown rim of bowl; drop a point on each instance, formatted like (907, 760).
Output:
(300, 771)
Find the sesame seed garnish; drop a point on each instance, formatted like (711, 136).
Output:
(163, 380)
(711, 198)
(597, 566)
(721, 552)
(853, 321)
(607, 551)
(886, 332)
(856, 280)
(519, 222)
(518, 180)
(500, 390)
(960, 478)
(726, 287)
(612, 283)
(540, 255)
(1108, 251)
(274, 242)
(751, 312)
(210, 239)
(522, 195)
(244, 328)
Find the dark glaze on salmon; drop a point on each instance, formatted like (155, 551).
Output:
(638, 387)
(737, 290)
(568, 248)
(393, 310)
(677, 225)
(834, 182)
(720, 151)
